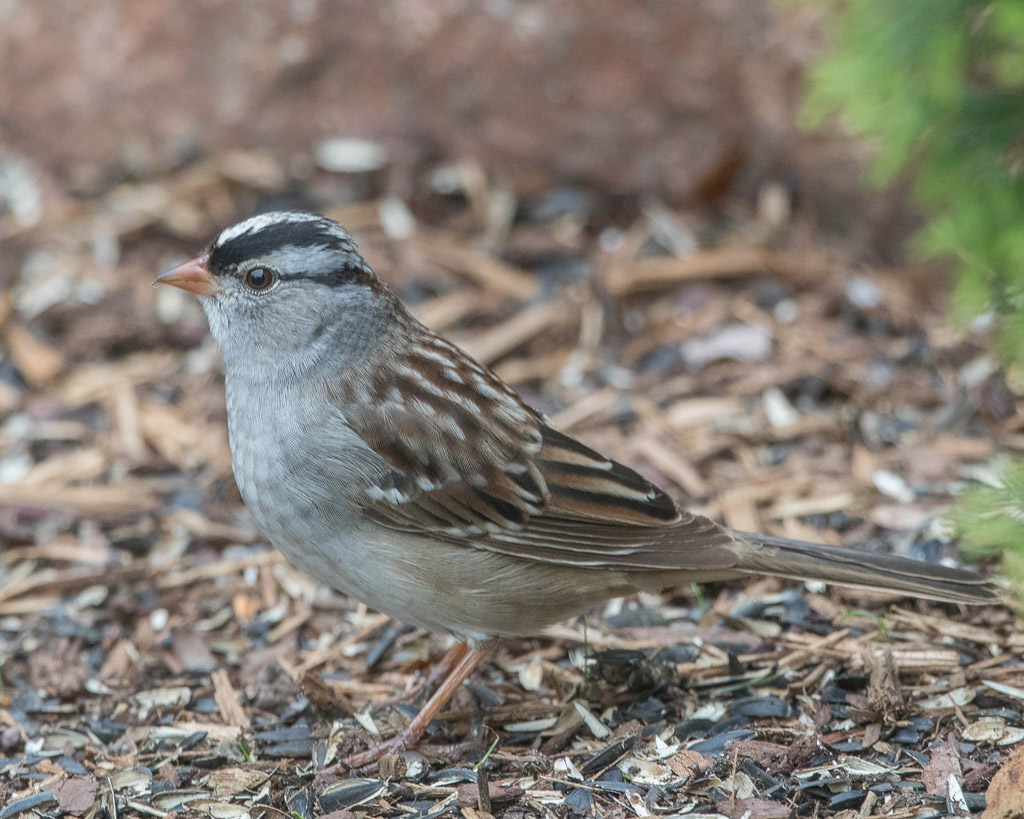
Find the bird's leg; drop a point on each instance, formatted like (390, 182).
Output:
(471, 658)
(440, 670)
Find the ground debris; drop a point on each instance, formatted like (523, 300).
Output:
(158, 656)
(1004, 794)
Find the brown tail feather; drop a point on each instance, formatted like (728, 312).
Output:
(848, 567)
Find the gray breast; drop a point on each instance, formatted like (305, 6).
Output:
(297, 462)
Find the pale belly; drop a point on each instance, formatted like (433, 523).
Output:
(457, 589)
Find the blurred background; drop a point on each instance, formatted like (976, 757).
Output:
(771, 254)
(687, 101)
(692, 103)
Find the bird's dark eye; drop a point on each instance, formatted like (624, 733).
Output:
(259, 278)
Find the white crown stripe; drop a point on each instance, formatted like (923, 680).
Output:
(276, 217)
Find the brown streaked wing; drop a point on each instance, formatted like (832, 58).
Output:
(511, 484)
(603, 514)
(585, 485)
(460, 442)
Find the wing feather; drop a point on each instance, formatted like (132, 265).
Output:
(488, 472)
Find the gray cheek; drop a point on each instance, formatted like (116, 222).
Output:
(256, 334)
(219, 314)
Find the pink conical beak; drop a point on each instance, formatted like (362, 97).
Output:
(193, 276)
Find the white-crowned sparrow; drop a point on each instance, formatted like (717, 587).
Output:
(391, 466)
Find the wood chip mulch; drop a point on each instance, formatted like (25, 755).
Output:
(159, 659)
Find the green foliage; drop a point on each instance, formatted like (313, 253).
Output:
(244, 749)
(990, 519)
(487, 756)
(937, 86)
